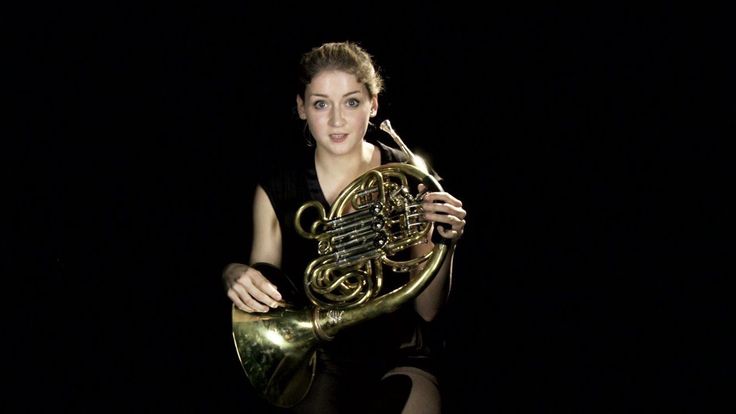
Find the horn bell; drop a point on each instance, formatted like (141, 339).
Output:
(277, 352)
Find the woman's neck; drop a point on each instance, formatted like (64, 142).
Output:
(349, 165)
(336, 172)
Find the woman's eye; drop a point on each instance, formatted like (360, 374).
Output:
(320, 104)
(353, 103)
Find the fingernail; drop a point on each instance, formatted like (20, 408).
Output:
(276, 292)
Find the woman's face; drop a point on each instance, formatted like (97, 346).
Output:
(337, 109)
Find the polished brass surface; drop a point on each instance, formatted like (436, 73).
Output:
(374, 218)
(414, 159)
(276, 350)
(382, 219)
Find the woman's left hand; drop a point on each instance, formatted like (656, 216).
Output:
(443, 207)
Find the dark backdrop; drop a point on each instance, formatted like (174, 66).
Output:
(588, 147)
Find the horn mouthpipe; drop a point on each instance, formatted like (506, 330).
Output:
(413, 159)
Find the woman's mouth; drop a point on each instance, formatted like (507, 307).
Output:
(338, 138)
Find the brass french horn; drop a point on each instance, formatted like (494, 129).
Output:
(373, 219)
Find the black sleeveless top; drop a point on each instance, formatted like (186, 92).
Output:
(399, 338)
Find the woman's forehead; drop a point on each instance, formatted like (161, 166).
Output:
(331, 81)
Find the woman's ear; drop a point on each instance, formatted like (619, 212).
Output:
(374, 106)
(300, 107)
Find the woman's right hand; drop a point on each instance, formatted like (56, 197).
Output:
(249, 290)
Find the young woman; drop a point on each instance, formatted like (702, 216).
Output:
(385, 364)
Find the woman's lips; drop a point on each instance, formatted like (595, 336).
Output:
(338, 137)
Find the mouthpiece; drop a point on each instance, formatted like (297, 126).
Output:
(413, 159)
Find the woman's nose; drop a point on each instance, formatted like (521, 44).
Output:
(336, 119)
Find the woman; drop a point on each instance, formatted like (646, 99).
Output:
(385, 364)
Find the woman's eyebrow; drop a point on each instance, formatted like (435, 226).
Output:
(321, 95)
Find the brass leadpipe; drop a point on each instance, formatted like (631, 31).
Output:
(414, 160)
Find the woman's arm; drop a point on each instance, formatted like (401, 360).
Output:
(266, 246)
(439, 207)
(430, 301)
(246, 287)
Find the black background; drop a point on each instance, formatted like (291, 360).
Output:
(587, 144)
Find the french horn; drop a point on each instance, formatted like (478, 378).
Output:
(373, 219)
